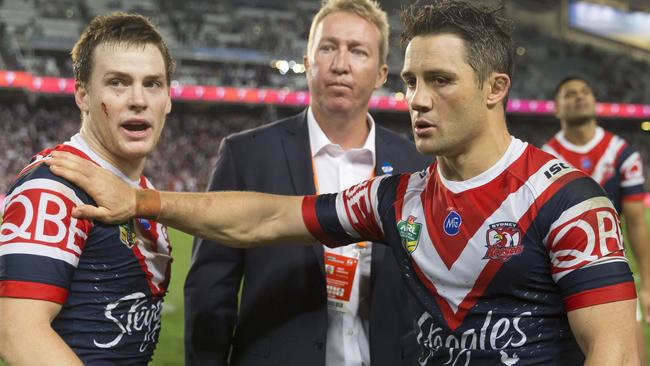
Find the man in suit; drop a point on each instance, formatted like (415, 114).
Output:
(299, 305)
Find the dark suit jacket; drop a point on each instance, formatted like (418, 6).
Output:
(282, 317)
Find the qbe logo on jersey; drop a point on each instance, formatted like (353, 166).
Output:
(503, 241)
(41, 216)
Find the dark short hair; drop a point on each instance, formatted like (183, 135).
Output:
(116, 28)
(487, 34)
(566, 80)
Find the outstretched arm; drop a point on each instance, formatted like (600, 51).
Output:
(235, 218)
(239, 219)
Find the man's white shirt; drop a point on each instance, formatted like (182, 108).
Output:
(334, 170)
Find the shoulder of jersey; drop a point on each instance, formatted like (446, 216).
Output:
(39, 176)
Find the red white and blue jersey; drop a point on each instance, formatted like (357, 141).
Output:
(608, 159)
(495, 262)
(109, 279)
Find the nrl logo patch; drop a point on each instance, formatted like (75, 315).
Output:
(409, 231)
(127, 235)
(503, 241)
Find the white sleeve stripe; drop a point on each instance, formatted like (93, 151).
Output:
(40, 250)
(604, 260)
(637, 179)
(375, 203)
(342, 208)
(45, 184)
(607, 160)
(577, 210)
(633, 158)
(344, 220)
(633, 182)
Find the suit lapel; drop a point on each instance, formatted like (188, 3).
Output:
(384, 156)
(301, 173)
(297, 154)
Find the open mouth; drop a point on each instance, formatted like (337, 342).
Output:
(136, 126)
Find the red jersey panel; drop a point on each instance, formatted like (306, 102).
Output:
(494, 262)
(608, 159)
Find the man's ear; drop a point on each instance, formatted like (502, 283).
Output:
(382, 75)
(498, 86)
(81, 96)
(305, 61)
(168, 105)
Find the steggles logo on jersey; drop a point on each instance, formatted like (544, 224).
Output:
(409, 231)
(503, 334)
(503, 241)
(131, 314)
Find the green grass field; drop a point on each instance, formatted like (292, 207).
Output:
(170, 350)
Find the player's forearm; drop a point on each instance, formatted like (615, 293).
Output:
(239, 219)
(637, 234)
(28, 343)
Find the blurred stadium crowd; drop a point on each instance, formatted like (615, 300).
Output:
(182, 161)
(238, 43)
(189, 144)
(233, 43)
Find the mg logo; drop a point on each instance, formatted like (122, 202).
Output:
(452, 223)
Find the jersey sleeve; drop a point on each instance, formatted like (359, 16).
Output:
(585, 248)
(40, 241)
(352, 215)
(632, 177)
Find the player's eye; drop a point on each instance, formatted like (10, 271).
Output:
(116, 82)
(440, 81)
(153, 84)
(409, 82)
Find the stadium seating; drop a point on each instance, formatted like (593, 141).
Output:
(232, 43)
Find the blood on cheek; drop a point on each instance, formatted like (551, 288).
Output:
(105, 109)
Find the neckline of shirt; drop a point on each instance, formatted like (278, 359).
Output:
(515, 149)
(78, 142)
(318, 141)
(581, 149)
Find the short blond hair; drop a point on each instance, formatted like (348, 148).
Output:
(366, 9)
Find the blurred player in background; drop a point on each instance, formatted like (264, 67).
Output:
(611, 162)
(511, 256)
(292, 311)
(75, 291)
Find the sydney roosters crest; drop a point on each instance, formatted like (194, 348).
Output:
(503, 241)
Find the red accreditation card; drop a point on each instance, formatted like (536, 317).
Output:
(339, 272)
